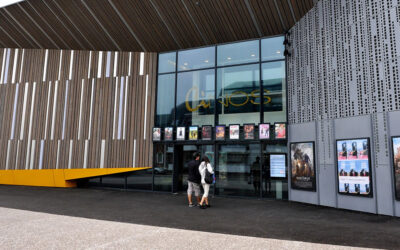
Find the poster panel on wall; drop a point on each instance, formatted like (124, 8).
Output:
(234, 131)
(280, 130)
(168, 133)
(302, 166)
(180, 133)
(193, 133)
(220, 132)
(396, 164)
(156, 134)
(248, 130)
(354, 172)
(206, 133)
(277, 164)
(263, 130)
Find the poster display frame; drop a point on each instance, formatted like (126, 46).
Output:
(220, 139)
(254, 131)
(286, 131)
(234, 139)
(396, 193)
(152, 134)
(371, 190)
(286, 166)
(269, 131)
(184, 133)
(194, 140)
(211, 133)
(172, 135)
(314, 183)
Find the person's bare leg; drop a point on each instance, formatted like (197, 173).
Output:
(202, 201)
(206, 200)
(198, 199)
(190, 198)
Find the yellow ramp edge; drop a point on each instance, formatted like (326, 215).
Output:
(56, 177)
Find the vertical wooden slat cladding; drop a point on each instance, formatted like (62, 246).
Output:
(45, 124)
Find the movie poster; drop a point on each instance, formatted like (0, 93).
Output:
(248, 130)
(156, 134)
(180, 133)
(353, 167)
(280, 131)
(234, 132)
(168, 133)
(193, 133)
(302, 165)
(206, 133)
(263, 130)
(396, 164)
(220, 132)
(277, 163)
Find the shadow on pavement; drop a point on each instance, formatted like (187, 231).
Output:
(259, 218)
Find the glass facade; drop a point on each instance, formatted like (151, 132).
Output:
(238, 83)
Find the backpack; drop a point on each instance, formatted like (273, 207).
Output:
(208, 178)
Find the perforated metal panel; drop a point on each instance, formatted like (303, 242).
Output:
(345, 60)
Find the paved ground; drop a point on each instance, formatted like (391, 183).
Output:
(92, 218)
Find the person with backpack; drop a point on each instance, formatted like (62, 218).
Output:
(207, 179)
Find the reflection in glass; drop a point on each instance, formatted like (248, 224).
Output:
(238, 53)
(195, 98)
(165, 100)
(196, 59)
(163, 167)
(273, 79)
(238, 172)
(167, 62)
(238, 92)
(272, 48)
(142, 179)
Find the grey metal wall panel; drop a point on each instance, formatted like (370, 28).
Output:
(327, 185)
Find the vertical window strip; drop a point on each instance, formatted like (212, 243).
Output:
(14, 112)
(102, 156)
(71, 145)
(54, 110)
(45, 65)
(15, 66)
(115, 63)
(22, 65)
(59, 65)
(21, 134)
(130, 64)
(108, 64)
(121, 99)
(41, 154)
(7, 65)
(85, 156)
(145, 108)
(71, 63)
(91, 109)
(80, 109)
(99, 64)
(115, 107)
(3, 65)
(90, 64)
(47, 111)
(32, 154)
(126, 101)
(65, 110)
(141, 69)
(58, 153)
(8, 153)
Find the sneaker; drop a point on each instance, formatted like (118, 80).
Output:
(202, 206)
(208, 205)
(191, 205)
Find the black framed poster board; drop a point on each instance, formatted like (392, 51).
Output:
(156, 134)
(396, 165)
(354, 167)
(206, 133)
(302, 166)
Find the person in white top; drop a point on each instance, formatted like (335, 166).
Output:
(205, 164)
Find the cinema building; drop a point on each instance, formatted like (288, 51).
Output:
(292, 100)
